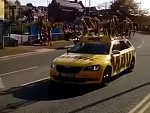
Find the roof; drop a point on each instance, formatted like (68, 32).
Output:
(93, 10)
(67, 3)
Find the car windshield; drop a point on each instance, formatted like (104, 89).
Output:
(91, 48)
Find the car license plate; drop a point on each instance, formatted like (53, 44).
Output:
(70, 75)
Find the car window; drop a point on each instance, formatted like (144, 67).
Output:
(116, 46)
(128, 44)
(123, 45)
(91, 48)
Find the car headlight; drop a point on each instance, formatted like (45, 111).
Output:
(92, 68)
(53, 65)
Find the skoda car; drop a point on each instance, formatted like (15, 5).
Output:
(93, 61)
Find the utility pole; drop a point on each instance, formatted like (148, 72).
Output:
(47, 2)
(140, 14)
(1, 24)
(89, 7)
(85, 7)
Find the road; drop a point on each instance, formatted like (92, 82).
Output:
(25, 87)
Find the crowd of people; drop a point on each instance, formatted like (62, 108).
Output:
(46, 36)
(116, 27)
(113, 27)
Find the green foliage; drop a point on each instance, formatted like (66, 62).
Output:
(58, 25)
(145, 20)
(125, 7)
(17, 2)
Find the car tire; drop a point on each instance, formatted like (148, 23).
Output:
(132, 64)
(106, 77)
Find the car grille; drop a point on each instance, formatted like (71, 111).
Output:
(74, 80)
(65, 69)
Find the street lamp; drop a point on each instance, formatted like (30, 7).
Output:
(85, 8)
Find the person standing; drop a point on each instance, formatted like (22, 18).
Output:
(125, 27)
(50, 36)
(45, 36)
(130, 27)
(114, 26)
(134, 28)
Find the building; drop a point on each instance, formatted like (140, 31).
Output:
(34, 12)
(65, 10)
(90, 11)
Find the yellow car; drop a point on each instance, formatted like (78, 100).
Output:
(93, 60)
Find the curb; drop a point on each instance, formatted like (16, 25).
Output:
(22, 54)
(65, 47)
(44, 50)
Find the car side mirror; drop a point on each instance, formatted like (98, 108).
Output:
(68, 50)
(116, 52)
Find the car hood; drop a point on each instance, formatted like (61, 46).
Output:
(76, 59)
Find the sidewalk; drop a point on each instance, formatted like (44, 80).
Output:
(25, 49)
(142, 32)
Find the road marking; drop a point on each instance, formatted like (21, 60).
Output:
(140, 104)
(18, 71)
(139, 46)
(35, 81)
(143, 42)
(17, 55)
(145, 107)
(44, 50)
(1, 84)
(26, 54)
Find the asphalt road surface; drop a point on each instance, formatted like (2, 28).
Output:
(25, 87)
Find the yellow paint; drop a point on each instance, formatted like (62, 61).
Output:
(76, 59)
(118, 63)
(102, 39)
(1, 9)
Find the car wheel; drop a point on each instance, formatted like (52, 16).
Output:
(106, 77)
(132, 64)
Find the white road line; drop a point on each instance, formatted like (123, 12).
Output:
(145, 107)
(17, 55)
(35, 81)
(44, 50)
(1, 84)
(40, 51)
(140, 104)
(143, 42)
(139, 46)
(18, 71)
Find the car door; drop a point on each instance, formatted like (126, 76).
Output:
(129, 53)
(115, 58)
(125, 55)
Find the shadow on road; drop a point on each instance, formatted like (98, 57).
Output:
(45, 91)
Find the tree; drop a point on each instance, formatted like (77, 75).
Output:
(6, 9)
(103, 5)
(18, 3)
(18, 9)
(124, 7)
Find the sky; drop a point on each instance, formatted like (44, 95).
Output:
(144, 3)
